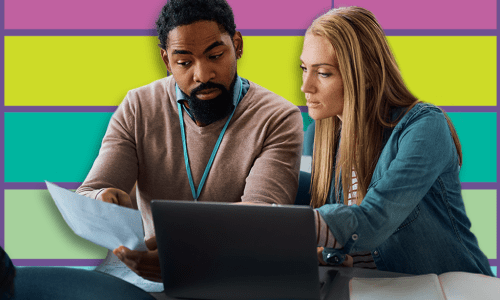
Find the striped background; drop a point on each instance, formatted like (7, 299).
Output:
(68, 64)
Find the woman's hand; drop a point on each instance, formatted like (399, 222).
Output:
(144, 263)
(348, 262)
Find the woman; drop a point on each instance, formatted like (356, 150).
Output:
(385, 168)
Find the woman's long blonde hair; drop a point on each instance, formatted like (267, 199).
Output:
(373, 86)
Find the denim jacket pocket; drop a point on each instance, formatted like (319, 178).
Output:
(412, 217)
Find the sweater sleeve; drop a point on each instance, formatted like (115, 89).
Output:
(116, 166)
(274, 176)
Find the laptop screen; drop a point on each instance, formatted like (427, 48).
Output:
(227, 251)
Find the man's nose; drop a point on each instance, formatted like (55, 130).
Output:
(203, 73)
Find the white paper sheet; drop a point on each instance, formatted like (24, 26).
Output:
(105, 224)
(112, 265)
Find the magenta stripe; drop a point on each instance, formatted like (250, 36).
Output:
(427, 14)
(57, 262)
(80, 32)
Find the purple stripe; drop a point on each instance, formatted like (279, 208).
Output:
(494, 263)
(470, 108)
(440, 32)
(75, 185)
(57, 262)
(63, 109)
(244, 32)
(449, 108)
(479, 185)
(302, 108)
(273, 32)
(39, 185)
(2, 134)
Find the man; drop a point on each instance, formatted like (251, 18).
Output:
(7, 274)
(158, 126)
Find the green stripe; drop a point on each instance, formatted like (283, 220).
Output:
(481, 208)
(34, 229)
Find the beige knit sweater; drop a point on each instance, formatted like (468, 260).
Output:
(258, 159)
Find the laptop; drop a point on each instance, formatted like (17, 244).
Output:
(227, 251)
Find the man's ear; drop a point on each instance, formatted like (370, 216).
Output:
(238, 44)
(164, 57)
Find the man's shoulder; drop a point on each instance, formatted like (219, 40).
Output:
(263, 98)
(161, 86)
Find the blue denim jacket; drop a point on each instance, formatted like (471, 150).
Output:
(412, 218)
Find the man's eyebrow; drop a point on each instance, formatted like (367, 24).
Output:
(181, 52)
(214, 44)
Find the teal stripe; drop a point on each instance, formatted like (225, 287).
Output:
(478, 135)
(58, 147)
(61, 147)
(306, 120)
(72, 267)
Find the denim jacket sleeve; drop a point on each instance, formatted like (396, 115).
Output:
(419, 149)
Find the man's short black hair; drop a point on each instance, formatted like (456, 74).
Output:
(184, 12)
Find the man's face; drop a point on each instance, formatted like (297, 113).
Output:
(200, 53)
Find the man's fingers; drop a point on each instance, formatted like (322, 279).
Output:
(124, 199)
(151, 243)
(116, 196)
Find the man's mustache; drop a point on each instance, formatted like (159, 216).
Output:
(207, 86)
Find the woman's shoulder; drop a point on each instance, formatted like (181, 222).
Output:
(420, 113)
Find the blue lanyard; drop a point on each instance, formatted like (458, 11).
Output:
(196, 193)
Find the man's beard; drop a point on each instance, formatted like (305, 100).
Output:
(209, 111)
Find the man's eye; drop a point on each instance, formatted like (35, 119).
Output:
(183, 63)
(216, 55)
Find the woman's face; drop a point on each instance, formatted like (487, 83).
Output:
(322, 83)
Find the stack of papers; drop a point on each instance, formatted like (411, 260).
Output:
(107, 225)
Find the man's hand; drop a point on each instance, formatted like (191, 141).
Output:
(144, 263)
(116, 196)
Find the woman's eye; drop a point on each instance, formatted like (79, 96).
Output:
(325, 75)
(304, 69)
